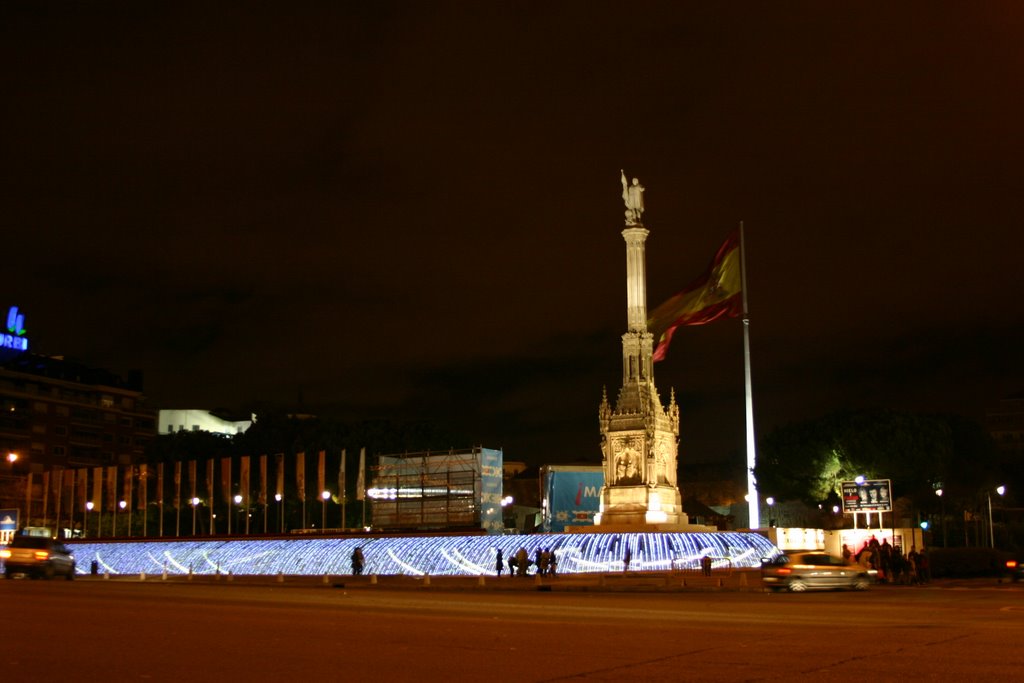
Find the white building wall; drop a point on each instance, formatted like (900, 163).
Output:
(192, 420)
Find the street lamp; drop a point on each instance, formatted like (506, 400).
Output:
(238, 501)
(942, 507)
(991, 527)
(324, 497)
(195, 504)
(280, 509)
(85, 518)
(771, 504)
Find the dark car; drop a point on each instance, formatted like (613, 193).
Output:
(798, 572)
(37, 557)
(1015, 569)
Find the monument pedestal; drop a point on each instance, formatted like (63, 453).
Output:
(641, 505)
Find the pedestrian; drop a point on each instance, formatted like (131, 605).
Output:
(923, 574)
(552, 563)
(499, 564)
(522, 562)
(705, 564)
(357, 561)
(625, 559)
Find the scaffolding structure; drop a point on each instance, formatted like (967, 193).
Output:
(429, 490)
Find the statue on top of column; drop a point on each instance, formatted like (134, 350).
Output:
(633, 195)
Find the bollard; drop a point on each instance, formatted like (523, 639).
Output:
(190, 573)
(327, 579)
(280, 577)
(480, 581)
(373, 579)
(106, 576)
(163, 577)
(142, 576)
(426, 579)
(231, 576)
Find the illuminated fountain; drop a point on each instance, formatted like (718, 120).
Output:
(417, 556)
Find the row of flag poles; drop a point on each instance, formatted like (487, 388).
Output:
(126, 488)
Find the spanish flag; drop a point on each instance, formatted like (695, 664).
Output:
(714, 294)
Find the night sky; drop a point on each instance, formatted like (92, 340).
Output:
(412, 211)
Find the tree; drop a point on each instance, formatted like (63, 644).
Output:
(806, 461)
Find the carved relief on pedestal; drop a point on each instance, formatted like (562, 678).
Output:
(628, 460)
(661, 465)
(665, 460)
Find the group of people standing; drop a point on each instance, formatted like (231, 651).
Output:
(890, 562)
(544, 559)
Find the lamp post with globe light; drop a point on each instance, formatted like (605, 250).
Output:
(942, 515)
(991, 527)
(238, 501)
(12, 458)
(85, 519)
(324, 497)
(280, 509)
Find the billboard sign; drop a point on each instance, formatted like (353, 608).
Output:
(872, 495)
(572, 496)
(8, 524)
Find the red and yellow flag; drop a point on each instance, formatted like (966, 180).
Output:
(715, 294)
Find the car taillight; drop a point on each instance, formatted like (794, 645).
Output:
(5, 553)
(1010, 564)
(41, 554)
(785, 570)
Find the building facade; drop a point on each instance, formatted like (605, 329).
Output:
(58, 415)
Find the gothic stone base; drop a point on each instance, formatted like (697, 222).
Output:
(641, 505)
(640, 528)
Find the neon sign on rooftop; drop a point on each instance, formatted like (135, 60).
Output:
(15, 338)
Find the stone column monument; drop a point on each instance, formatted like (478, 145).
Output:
(639, 437)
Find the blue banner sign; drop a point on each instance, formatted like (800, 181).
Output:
(8, 524)
(572, 496)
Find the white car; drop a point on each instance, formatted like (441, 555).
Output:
(37, 557)
(798, 572)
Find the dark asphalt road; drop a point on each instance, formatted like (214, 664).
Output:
(130, 630)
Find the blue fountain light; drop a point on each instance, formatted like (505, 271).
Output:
(420, 555)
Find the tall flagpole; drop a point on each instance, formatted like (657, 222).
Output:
(753, 501)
